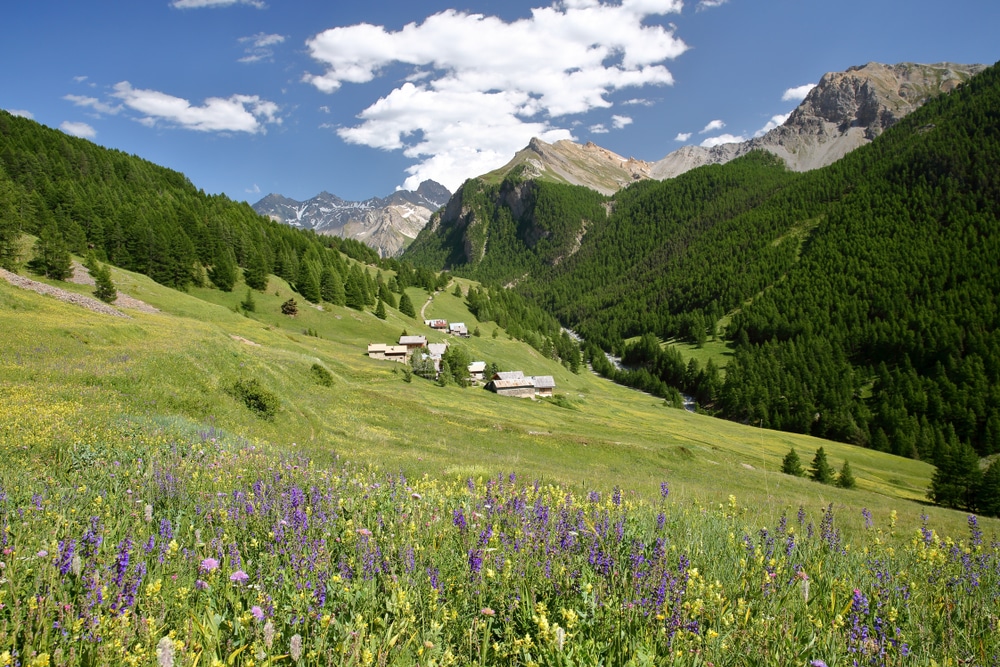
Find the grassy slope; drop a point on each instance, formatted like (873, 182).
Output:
(179, 364)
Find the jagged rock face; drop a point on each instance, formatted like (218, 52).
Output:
(386, 224)
(844, 111)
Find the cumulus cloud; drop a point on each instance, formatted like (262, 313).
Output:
(798, 93)
(618, 122)
(482, 87)
(682, 136)
(709, 4)
(259, 47)
(712, 126)
(776, 121)
(723, 139)
(599, 129)
(78, 129)
(198, 4)
(23, 113)
(93, 103)
(238, 113)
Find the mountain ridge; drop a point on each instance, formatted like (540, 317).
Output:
(387, 224)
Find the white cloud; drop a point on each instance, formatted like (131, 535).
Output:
(483, 87)
(798, 93)
(78, 129)
(198, 4)
(80, 79)
(682, 136)
(255, 190)
(599, 129)
(637, 102)
(93, 103)
(23, 113)
(618, 122)
(776, 121)
(712, 126)
(258, 47)
(723, 139)
(709, 4)
(238, 113)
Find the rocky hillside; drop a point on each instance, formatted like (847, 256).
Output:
(386, 224)
(844, 111)
(566, 162)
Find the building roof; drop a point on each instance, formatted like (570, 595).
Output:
(477, 367)
(396, 349)
(437, 349)
(457, 326)
(523, 383)
(413, 340)
(544, 382)
(376, 347)
(509, 375)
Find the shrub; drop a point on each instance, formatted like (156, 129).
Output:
(290, 308)
(263, 402)
(321, 375)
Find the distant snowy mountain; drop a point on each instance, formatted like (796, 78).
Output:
(387, 224)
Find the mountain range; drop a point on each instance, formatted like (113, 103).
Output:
(386, 224)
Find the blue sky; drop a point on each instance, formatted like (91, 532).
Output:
(249, 97)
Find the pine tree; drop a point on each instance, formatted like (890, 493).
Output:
(248, 304)
(791, 464)
(255, 272)
(380, 310)
(223, 271)
(105, 289)
(956, 481)
(820, 470)
(845, 479)
(332, 287)
(458, 291)
(406, 306)
(354, 289)
(988, 495)
(290, 308)
(52, 258)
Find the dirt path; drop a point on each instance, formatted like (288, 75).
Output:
(81, 276)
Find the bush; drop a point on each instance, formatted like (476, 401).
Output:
(321, 375)
(249, 304)
(289, 308)
(263, 402)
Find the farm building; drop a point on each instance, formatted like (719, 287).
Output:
(458, 329)
(413, 342)
(477, 371)
(544, 385)
(519, 388)
(437, 324)
(398, 353)
(508, 375)
(435, 352)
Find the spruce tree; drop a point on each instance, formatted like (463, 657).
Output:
(845, 479)
(248, 304)
(380, 310)
(52, 258)
(791, 464)
(332, 287)
(354, 289)
(223, 272)
(406, 306)
(105, 289)
(820, 470)
(255, 272)
(988, 495)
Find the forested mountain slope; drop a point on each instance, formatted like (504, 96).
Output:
(144, 217)
(863, 296)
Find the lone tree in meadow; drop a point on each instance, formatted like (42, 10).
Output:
(380, 310)
(105, 289)
(791, 464)
(52, 258)
(820, 469)
(289, 308)
(845, 479)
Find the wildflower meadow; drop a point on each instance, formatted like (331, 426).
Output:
(206, 549)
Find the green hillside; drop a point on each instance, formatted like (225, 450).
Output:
(859, 300)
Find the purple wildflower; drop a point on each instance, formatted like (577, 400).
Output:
(257, 612)
(209, 564)
(239, 576)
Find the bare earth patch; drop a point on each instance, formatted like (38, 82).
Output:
(61, 294)
(81, 276)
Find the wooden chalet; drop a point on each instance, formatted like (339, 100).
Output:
(477, 371)
(413, 342)
(545, 385)
(397, 353)
(518, 387)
